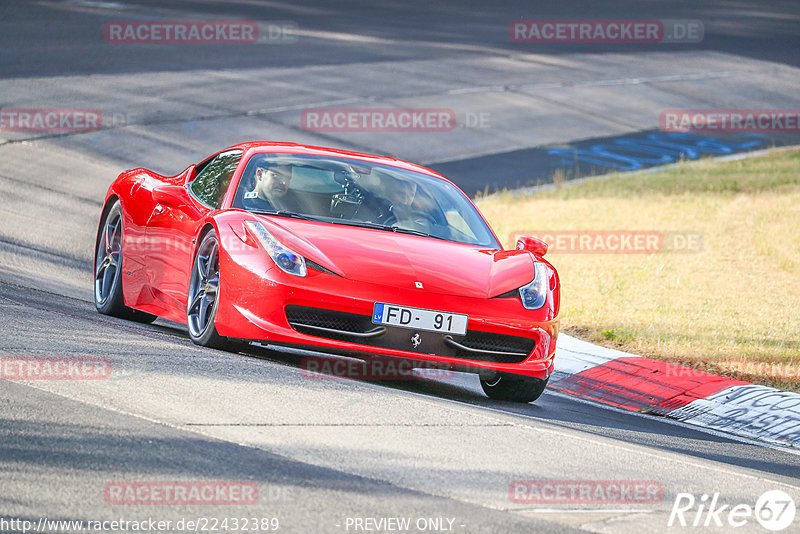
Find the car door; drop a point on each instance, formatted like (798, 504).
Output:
(173, 227)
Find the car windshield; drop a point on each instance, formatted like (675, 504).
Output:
(359, 193)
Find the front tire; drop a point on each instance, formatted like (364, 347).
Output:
(513, 388)
(203, 301)
(108, 295)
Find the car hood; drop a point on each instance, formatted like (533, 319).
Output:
(405, 261)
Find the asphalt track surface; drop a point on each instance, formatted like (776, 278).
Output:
(323, 451)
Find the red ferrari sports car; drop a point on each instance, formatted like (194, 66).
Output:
(333, 251)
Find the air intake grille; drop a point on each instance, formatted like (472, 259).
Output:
(497, 342)
(355, 328)
(348, 322)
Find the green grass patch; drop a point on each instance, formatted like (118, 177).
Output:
(732, 308)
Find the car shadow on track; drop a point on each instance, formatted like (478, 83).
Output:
(563, 411)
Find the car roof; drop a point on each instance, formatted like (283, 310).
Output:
(259, 147)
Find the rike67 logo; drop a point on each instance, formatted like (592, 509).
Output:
(774, 510)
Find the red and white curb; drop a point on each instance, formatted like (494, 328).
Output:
(650, 386)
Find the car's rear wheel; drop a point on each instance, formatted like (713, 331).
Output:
(108, 297)
(514, 388)
(201, 308)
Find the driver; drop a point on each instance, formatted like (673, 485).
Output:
(271, 190)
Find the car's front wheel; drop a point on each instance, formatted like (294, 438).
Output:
(108, 297)
(201, 309)
(514, 388)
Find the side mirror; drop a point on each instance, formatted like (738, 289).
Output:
(190, 174)
(531, 244)
(171, 195)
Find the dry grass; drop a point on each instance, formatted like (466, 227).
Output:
(733, 308)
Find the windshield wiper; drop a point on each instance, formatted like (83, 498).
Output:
(284, 213)
(415, 232)
(387, 228)
(362, 224)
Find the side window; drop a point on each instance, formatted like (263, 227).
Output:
(211, 184)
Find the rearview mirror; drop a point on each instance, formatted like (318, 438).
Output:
(531, 244)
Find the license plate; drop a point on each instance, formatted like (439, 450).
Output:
(417, 318)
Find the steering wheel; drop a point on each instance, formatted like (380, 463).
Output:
(413, 219)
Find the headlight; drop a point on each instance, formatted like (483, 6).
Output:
(285, 259)
(534, 295)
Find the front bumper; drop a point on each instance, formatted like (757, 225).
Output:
(262, 303)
